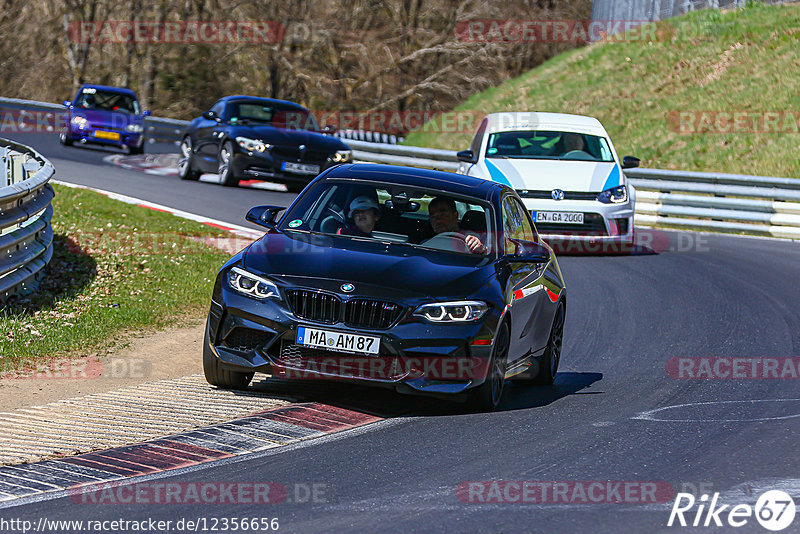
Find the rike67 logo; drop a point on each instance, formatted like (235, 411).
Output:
(774, 510)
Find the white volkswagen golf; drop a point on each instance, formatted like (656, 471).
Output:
(565, 169)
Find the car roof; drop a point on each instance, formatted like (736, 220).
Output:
(535, 120)
(109, 88)
(230, 98)
(458, 184)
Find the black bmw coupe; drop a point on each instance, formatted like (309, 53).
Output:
(247, 137)
(423, 281)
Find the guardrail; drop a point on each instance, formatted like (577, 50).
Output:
(26, 237)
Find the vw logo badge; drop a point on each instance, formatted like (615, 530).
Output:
(557, 194)
(348, 288)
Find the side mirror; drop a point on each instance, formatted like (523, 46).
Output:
(146, 113)
(210, 116)
(466, 156)
(529, 251)
(329, 129)
(629, 162)
(264, 215)
(67, 103)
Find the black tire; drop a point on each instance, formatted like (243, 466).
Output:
(486, 397)
(217, 376)
(546, 373)
(134, 150)
(64, 139)
(225, 169)
(552, 354)
(186, 161)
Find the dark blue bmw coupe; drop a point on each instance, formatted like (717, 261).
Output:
(248, 137)
(423, 281)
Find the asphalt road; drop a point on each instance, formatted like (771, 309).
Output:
(628, 316)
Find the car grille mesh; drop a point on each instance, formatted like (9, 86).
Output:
(315, 306)
(592, 225)
(367, 313)
(298, 357)
(246, 339)
(294, 153)
(329, 309)
(568, 195)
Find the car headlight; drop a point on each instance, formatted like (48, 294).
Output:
(462, 311)
(80, 123)
(251, 285)
(134, 128)
(342, 156)
(253, 145)
(615, 195)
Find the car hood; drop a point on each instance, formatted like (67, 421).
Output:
(289, 137)
(539, 174)
(405, 271)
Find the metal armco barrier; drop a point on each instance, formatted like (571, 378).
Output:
(26, 237)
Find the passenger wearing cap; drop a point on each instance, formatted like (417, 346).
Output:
(362, 216)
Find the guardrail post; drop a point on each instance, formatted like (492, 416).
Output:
(6, 168)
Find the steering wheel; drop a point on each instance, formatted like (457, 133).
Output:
(335, 214)
(445, 241)
(579, 155)
(332, 222)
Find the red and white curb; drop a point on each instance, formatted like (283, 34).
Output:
(268, 429)
(208, 221)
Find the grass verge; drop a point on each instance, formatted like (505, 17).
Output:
(744, 61)
(116, 268)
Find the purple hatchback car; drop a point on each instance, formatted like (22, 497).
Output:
(105, 116)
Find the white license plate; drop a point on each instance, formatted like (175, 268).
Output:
(300, 168)
(338, 341)
(565, 217)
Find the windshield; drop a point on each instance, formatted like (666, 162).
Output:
(389, 213)
(91, 98)
(531, 144)
(256, 111)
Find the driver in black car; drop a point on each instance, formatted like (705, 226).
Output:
(443, 217)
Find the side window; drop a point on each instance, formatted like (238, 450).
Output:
(218, 108)
(527, 228)
(475, 146)
(512, 225)
(516, 225)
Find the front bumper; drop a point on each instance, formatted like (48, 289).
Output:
(126, 139)
(246, 335)
(609, 223)
(264, 166)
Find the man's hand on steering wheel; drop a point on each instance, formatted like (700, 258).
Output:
(474, 244)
